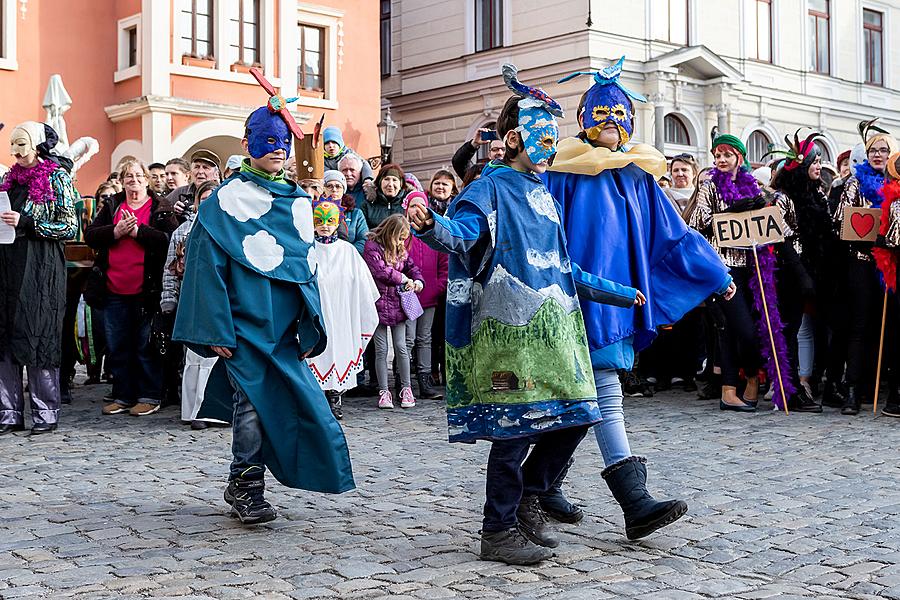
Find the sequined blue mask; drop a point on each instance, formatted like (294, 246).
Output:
(608, 101)
(539, 132)
(267, 132)
(607, 104)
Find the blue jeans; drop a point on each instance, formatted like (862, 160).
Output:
(246, 444)
(135, 367)
(610, 432)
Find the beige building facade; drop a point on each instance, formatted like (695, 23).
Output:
(756, 68)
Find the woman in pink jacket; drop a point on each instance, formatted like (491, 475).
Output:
(433, 265)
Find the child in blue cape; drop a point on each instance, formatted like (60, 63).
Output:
(621, 224)
(250, 296)
(518, 365)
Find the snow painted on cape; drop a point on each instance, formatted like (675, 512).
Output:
(244, 200)
(459, 291)
(301, 210)
(263, 251)
(547, 260)
(508, 300)
(543, 204)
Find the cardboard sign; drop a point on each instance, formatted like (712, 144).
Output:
(860, 224)
(747, 229)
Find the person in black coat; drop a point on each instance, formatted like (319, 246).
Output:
(33, 278)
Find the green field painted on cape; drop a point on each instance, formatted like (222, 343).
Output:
(549, 356)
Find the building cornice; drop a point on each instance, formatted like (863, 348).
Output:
(184, 107)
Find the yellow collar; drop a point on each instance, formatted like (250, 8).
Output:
(576, 156)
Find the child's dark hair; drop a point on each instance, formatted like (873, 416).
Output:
(506, 122)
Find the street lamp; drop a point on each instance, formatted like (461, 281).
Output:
(387, 129)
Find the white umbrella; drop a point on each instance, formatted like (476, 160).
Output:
(57, 101)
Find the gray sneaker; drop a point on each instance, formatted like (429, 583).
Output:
(512, 548)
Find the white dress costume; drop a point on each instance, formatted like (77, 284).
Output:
(348, 296)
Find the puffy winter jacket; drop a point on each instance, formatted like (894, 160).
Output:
(387, 279)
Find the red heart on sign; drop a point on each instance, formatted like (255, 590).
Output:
(862, 224)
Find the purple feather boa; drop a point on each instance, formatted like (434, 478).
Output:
(743, 186)
(36, 178)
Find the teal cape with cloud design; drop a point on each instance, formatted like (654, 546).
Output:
(250, 285)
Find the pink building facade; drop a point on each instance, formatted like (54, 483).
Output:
(158, 79)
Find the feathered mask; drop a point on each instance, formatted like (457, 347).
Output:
(537, 117)
(608, 101)
(798, 153)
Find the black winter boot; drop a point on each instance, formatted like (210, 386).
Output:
(556, 505)
(802, 401)
(852, 402)
(833, 395)
(426, 388)
(892, 406)
(248, 502)
(627, 481)
(512, 547)
(335, 403)
(533, 523)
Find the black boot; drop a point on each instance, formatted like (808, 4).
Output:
(833, 395)
(556, 505)
(852, 402)
(335, 402)
(247, 500)
(511, 547)
(11, 427)
(627, 481)
(533, 523)
(710, 388)
(892, 406)
(426, 389)
(802, 401)
(41, 428)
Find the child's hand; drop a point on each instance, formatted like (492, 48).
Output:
(640, 299)
(730, 292)
(419, 216)
(418, 286)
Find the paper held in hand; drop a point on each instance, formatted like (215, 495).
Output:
(747, 229)
(860, 224)
(7, 232)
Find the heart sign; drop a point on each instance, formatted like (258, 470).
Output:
(860, 224)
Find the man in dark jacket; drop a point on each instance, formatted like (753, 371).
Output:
(351, 166)
(462, 159)
(204, 167)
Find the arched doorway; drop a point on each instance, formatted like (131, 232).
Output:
(223, 145)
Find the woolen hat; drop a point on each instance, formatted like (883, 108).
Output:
(332, 175)
(333, 134)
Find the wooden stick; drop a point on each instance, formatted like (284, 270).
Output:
(762, 293)
(880, 352)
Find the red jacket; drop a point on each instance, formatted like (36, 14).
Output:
(433, 265)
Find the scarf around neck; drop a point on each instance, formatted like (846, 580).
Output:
(870, 182)
(36, 179)
(742, 186)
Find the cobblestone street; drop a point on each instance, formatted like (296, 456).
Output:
(780, 507)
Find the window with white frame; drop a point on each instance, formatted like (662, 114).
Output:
(819, 15)
(196, 23)
(129, 48)
(311, 64)
(671, 21)
(757, 147)
(8, 34)
(873, 32)
(243, 32)
(762, 41)
(488, 24)
(676, 131)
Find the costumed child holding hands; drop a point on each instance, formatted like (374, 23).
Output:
(250, 296)
(348, 295)
(518, 364)
(394, 272)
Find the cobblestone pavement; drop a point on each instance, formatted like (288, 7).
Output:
(804, 506)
